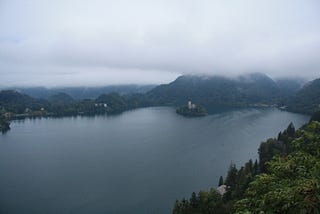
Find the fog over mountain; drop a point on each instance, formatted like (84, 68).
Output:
(96, 42)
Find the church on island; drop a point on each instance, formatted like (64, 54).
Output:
(191, 110)
(191, 105)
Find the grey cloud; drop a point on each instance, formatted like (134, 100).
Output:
(108, 42)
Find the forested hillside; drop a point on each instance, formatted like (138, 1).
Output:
(13, 101)
(285, 180)
(79, 93)
(306, 100)
(241, 91)
(61, 104)
(250, 90)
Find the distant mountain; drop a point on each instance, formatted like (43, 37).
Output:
(208, 91)
(16, 102)
(118, 103)
(84, 92)
(61, 98)
(307, 99)
(289, 86)
(217, 90)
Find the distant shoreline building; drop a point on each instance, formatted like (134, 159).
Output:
(101, 105)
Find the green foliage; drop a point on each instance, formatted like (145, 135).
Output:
(16, 105)
(220, 181)
(308, 139)
(307, 100)
(236, 183)
(61, 98)
(205, 202)
(315, 116)
(13, 101)
(217, 91)
(279, 146)
(231, 179)
(80, 93)
(64, 105)
(292, 182)
(288, 181)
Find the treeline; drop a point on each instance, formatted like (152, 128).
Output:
(256, 89)
(112, 103)
(209, 91)
(15, 102)
(80, 93)
(16, 105)
(218, 91)
(307, 100)
(286, 179)
(62, 104)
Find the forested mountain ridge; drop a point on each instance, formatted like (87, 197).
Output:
(209, 91)
(118, 103)
(13, 101)
(79, 93)
(222, 91)
(306, 100)
(290, 86)
(243, 91)
(61, 98)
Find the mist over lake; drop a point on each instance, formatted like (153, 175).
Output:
(140, 161)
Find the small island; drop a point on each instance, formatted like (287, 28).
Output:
(192, 110)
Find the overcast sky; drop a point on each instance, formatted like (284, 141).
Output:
(101, 42)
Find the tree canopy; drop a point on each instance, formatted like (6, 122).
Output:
(285, 180)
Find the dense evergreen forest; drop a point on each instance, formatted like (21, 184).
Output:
(16, 105)
(63, 105)
(240, 91)
(306, 100)
(80, 93)
(286, 179)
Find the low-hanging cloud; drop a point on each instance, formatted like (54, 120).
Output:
(69, 42)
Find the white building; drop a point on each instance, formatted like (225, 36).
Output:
(101, 105)
(191, 105)
(222, 189)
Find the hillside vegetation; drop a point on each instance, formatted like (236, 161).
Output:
(286, 179)
(306, 100)
(209, 91)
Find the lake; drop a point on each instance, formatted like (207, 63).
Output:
(140, 161)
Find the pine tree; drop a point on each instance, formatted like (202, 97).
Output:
(291, 130)
(255, 168)
(194, 200)
(220, 181)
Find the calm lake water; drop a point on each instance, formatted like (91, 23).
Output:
(138, 162)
